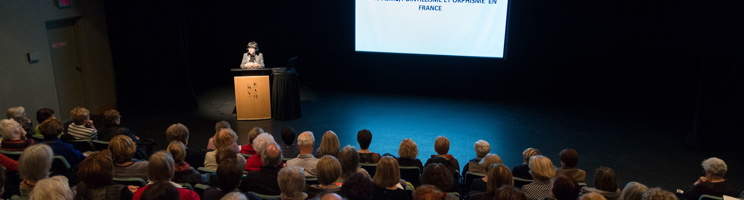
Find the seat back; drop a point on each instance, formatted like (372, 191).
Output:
(468, 180)
(411, 174)
(136, 181)
(60, 166)
(519, 182)
(311, 181)
(709, 197)
(265, 197)
(15, 155)
(100, 145)
(371, 168)
(82, 145)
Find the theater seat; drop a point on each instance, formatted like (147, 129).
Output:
(411, 174)
(371, 168)
(266, 197)
(15, 155)
(130, 181)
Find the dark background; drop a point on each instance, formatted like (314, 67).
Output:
(677, 62)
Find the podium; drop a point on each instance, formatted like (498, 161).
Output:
(252, 94)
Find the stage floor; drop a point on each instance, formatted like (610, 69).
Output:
(637, 149)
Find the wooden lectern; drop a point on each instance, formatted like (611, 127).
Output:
(252, 97)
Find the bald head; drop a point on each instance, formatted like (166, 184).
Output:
(331, 196)
(272, 156)
(306, 141)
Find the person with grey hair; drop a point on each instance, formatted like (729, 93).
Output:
(712, 183)
(18, 114)
(265, 180)
(633, 191)
(234, 196)
(33, 166)
(482, 148)
(292, 183)
(14, 137)
(252, 58)
(658, 194)
(306, 159)
(262, 141)
(52, 188)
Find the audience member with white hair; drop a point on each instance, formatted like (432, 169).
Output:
(292, 183)
(18, 114)
(712, 183)
(306, 159)
(14, 137)
(482, 148)
(658, 194)
(33, 166)
(54, 188)
(264, 180)
(262, 141)
(633, 191)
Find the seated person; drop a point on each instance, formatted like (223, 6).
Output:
(51, 128)
(484, 188)
(33, 166)
(712, 183)
(408, 151)
(482, 148)
(226, 138)
(329, 170)
(179, 132)
(357, 186)
(349, 159)
(96, 175)
(605, 183)
(260, 144)
(122, 150)
(364, 138)
(41, 116)
(252, 58)
(306, 160)
(184, 173)
(292, 183)
(523, 171)
(543, 173)
(14, 137)
(56, 187)
(441, 177)
(229, 174)
(565, 188)
(81, 126)
(112, 127)
(264, 181)
(160, 171)
(569, 160)
(441, 146)
(289, 149)
(329, 145)
(18, 114)
(252, 134)
(217, 127)
(387, 181)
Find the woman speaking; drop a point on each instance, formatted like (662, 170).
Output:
(252, 58)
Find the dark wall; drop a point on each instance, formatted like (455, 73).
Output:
(672, 57)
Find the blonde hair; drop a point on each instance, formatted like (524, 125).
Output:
(329, 144)
(177, 150)
(441, 145)
(177, 132)
(160, 167)
(8, 128)
(225, 138)
(55, 188)
(408, 149)
(387, 173)
(498, 175)
(528, 153)
(490, 159)
(14, 112)
(541, 167)
(79, 115)
(481, 148)
(328, 170)
(122, 148)
(35, 162)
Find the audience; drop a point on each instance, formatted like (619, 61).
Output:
(542, 175)
(448, 165)
(658, 194)
(179, 132)
(289, 148)
(482, 148)
(430, 192)
(14, 137)
(260, 144)
(225, 138)
(161, 191)
(712, 183)
(18, 114)
(357, 187)
(329, 145)
(122, 150)
(349, 159)
(592, 196)
(569, 160)
(51, 128)
(565, 188)
(509, 193)
(184, 173)
(364, 138)
(54, 188)
(605, 183)
(498, 175)
(235, 196)
(264, 181)
(633, 191)
(96, 175)
(306, 159)
(33, 166)
(441, 146)
(292, 183)
(439, 176)
(81, 126)
(387, 181)
(217, 127)
(329, 170)
(408, 151)
(42, 115)
(248, 148)
(112, 127)
(488, 160)
(160, 171)
(523, 171)
(229, 174)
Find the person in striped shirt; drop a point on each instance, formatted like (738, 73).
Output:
(81, 126)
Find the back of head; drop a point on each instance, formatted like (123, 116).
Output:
(349, 159)
(658, 194)
(329, 144)
(51, 127)
(329, 195)
(528, 153)
(509, 193)
(357, 186)
(122, 148)
(408, 149)
(177, 150)
(306, 139)
(328, 170)
(498, 176)
(565, 188)
(15, 112)
(253, 133)
(387, 173)
(633, 191)
(542, 168)
(224, 154)
(97, 170)
(364, 138)
(35, 162)
(715, 166)
(262, 141)
(79, 115)
(592, 196)
(229, 172)
(481, 148)
(272, 156)
(605, 179)
(52, 188)
(489, 160)
(428, 192)
(288, 136)
(437, 175)
(177, 132)
(8, 127)
(569, 157)
(110, 118)
(44, 114)
(291, 181)
(441, 145)
(220, 125)
(234, 196)
(160, 191)
(160, 167)
(225, 138)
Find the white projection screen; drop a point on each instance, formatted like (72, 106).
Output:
(475, 28)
